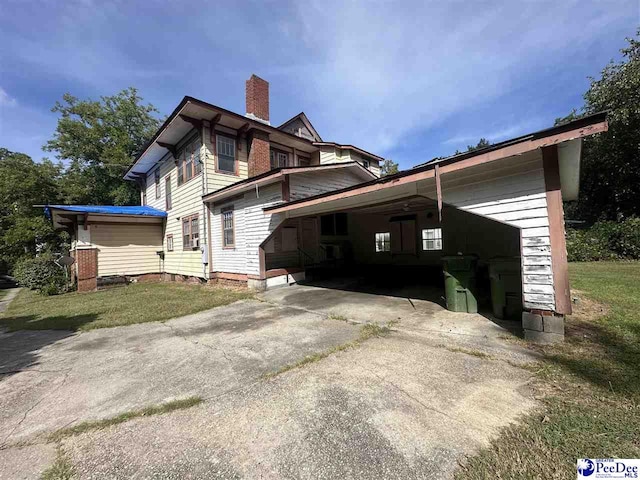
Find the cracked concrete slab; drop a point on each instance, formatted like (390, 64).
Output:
(405, 406)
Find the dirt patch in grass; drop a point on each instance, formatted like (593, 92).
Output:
(367, 331)
(589, 386)
(135, 303)
(125, 417)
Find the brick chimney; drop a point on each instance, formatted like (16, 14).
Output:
(257, 91)
(257, 96)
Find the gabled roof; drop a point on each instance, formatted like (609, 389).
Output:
(303, 118)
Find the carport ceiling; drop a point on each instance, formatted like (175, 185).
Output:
(404, 205)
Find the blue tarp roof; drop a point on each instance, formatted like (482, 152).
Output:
(107, 210)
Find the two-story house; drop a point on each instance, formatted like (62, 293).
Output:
(205, 177)
(231, 198)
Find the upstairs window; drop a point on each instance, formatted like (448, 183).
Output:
(383, 242)
(228, 233)
(303, 161)
(167, 193)
(189, 164)
(366, 164)
(226, 150)
(190, 232)
(156, 175)
(432, 239)
(278, 159)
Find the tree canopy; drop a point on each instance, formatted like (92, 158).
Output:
(610, 171)
(98, 140)
(388, 167)
(482, 143)
(23, 184)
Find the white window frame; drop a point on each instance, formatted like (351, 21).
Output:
(226, 147)
(431, 239)
(366, 164)
(278, 158)
(383, 242)
(228, 226)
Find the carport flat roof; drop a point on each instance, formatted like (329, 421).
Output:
(582, 127)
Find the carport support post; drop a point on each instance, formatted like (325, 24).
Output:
(544, 326)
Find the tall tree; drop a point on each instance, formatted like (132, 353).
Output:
(482, 143)
(388, 167)
(99, 139)
(24, 183)
(610, 173)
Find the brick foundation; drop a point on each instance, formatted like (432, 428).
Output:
(87, 265)
(543, 326)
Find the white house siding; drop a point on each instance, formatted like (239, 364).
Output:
(517, 197)
(252, 227)
(374, 167)
(128, 249)
(304, 185)
(186, 201)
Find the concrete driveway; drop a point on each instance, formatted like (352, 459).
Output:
(408, 405)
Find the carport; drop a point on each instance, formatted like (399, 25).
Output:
(502, 201)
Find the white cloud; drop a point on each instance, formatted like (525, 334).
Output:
(392, 69)
(7, 100)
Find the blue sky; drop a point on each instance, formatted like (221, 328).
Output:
(406, 80)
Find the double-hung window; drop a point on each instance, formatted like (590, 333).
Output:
(278, 159)
(156, 175)
(383, 242)
(432, 239)
(190, 232)
(228, 233)
(226, 149)
(189, 162)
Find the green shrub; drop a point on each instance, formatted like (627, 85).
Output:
(42, 274)
(605, 241)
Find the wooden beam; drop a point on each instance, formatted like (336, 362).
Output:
(559, 264)
(195, 122)
(242, 131)
(438, 192)
(215, 120)
(168, 146)
(85, 224)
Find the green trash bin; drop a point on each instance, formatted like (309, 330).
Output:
(460, 282)
(506, 287)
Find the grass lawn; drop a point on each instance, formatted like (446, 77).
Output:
(3, 293)
(589, 386)
(135, 303)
